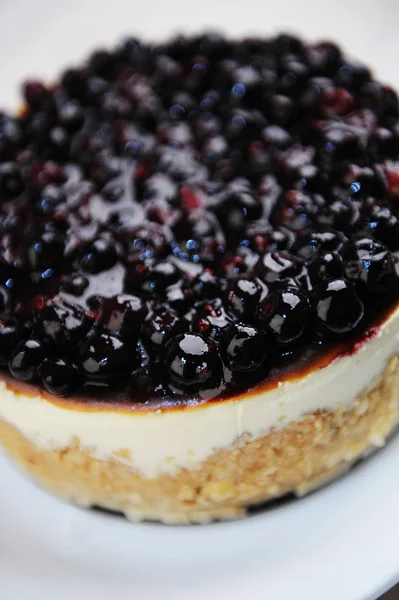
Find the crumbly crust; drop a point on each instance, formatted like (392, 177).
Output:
(298, 458)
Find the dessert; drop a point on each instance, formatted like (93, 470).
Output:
(199, 249)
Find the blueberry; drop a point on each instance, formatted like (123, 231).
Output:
(245, 348)
(52, 199)
(11, 181)
(74, 285)
(206, 285)
(211, 319)
(25, 361)
(59, 376)
(310, 246)
(35, 93)
(71, 115)
(100, 256)
(338, 308)
(47, 251)
(327, 265)
(160, 327)
(281, 267)
(122, 315)
(243, 296)
(236, 210)
(192, 361)
(104, 357)
(59, 143)
(64, 323)
(369, 263)
(285, 314)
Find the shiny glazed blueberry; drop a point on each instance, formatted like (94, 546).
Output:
(160, 328)
(193, 361)
(245, 348)
(59, 376)
(104, 356)
(25, 361)
(64, 323)
(338, 308)
(284, 313)
(243, 296)
(369, 263)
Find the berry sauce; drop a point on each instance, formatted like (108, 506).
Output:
(185, 221)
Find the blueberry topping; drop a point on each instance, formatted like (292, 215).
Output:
(245, 348)
(179, 219)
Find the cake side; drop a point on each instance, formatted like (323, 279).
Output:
(297, 458)
(152, 443)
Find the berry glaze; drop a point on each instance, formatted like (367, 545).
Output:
(187, 221)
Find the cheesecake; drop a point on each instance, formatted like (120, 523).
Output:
(199, 275)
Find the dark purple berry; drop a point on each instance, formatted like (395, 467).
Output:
(338, 308)
(104, 357)
(245, 348)
(101, 256)
(206, 285)
(237, 210)
(122, 315)
(160, 327)
(26, 359)
(47, 251)
(369, 264)
(243, 296)
(281, 267)
(284, 313)
(63, 323)
(211, 319)
(152, 278)
(192, 361)
(59, 376)
(53, 199)
(35, 93)
(75, 285)
(326, 266)
(11, 182)
(71, 115)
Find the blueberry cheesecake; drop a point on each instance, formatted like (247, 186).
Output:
(199, 262)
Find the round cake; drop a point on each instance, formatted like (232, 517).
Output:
(199, 261)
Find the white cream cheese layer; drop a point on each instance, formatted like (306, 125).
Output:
(156, 442)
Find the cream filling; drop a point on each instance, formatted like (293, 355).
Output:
(156, 442)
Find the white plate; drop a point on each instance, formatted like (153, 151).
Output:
(341, 543)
